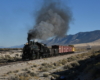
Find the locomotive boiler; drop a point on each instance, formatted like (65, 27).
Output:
(34, 50)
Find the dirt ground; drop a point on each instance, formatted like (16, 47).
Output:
(87, 45)
(14, 69)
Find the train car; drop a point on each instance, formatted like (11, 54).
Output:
(72, 48)
(63, 49)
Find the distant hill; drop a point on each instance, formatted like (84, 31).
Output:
(1, 47)
(19, 46)
(97, 41)
(81, 37)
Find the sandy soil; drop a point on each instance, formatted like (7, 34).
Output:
(27, 65)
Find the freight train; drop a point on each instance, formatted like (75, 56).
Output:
(35, 50)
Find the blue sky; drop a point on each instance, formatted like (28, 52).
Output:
(18, 16)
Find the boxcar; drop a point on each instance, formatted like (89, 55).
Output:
(62, 49)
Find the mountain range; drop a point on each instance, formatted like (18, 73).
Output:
(19, 46)
(81, 37)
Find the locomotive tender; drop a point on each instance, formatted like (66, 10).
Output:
(34, 50)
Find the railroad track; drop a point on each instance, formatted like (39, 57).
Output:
(4, 63)
(10, 63)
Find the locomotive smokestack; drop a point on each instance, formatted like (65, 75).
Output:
(51, 21)
(28, 38)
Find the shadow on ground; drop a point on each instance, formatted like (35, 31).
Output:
(72, 73)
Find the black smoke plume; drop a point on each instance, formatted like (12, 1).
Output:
(52, 21)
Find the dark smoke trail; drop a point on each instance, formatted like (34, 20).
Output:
(52, 21)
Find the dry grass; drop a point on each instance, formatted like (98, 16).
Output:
(32, 74)
(72, 58)
(16, 71)
(45, 74)
(9, 72)
(75, 64)
(68, 66)
(19, 78)
(55, 75)
(26, 69)
(44, 69)
(60, 62)
(33, 66)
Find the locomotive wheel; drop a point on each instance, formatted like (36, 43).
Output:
(47, 55)
(43, 56)
(37, 55)
(33, 57)
(23, 58)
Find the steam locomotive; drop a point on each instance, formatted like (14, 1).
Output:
(35, 50)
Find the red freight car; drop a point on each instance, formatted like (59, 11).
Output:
(62, 49)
